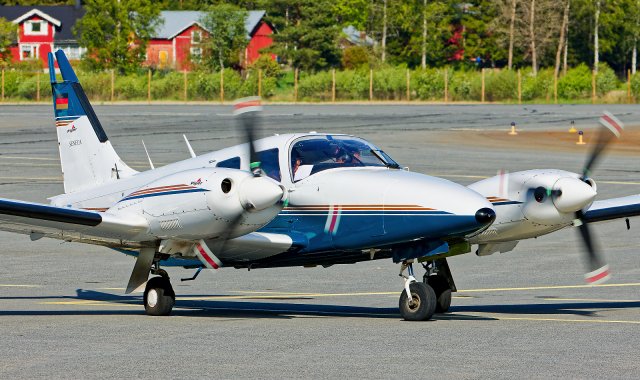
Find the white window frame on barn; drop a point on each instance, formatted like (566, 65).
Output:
(28, 28)
(32, 49)
(73, 52)
(195, 33)
(196, 54)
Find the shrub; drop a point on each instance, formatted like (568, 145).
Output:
(355, 57)
(315, 86)
(428, 84)
(576, 84)
(465, 85)
(537, 87)
(352, 84)
(501, 85)
(606, 80)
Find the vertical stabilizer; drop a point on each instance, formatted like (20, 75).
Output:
(86, 155)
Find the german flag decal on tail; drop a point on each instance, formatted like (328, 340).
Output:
(62, 103)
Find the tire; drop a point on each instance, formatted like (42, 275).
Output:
(443, 301)
(159, 297)
(443, 293)
(423, 305)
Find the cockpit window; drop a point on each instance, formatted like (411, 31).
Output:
(269, 163)
(314, 154)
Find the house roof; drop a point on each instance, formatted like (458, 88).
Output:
(354, 36)
(174, 22)
(64, 17)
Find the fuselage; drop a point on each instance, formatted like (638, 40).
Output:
(353, 201)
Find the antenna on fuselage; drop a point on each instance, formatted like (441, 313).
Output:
(191, 152)
(148, 157)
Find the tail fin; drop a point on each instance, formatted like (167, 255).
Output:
(86, 155)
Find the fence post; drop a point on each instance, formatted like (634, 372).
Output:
(446, 84)
(113, 82)
(333, 85)
(408, 85)
(149, 86)
(593, 86)
(222, 85)
(2, 85)
(629, 86)
(519, 87)
(555, 88)
(482, 89)
(295, 85)
(259, 82)
(185, 85)
(370, 85)
(37, 86)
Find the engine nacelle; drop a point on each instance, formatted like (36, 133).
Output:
(205, 203)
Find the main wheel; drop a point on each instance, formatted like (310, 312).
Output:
(159, 297)
(443, 293)
(421, 305)
(443, 301)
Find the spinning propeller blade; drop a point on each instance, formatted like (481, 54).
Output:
(598, 269)
(611, 127)
(246, 110)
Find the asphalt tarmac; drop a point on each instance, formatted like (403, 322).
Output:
(522, 314)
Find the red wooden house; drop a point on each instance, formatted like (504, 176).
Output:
(42, 29)
(178, 40)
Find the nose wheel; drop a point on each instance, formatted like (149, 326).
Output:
(159, 296)
(418, 299)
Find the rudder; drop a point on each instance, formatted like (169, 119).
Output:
(86, 154)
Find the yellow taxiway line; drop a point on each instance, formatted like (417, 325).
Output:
(18, 286)
(588, 300)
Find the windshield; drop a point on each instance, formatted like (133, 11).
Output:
(311, 155)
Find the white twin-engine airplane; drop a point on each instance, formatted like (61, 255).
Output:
(289, 200)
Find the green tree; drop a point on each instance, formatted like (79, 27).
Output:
(116, 32)
(225, 23)
(308, 33)
(7, 37)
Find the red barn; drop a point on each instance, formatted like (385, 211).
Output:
(177, 40)
(42, 29)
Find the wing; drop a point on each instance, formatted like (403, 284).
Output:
(613, 208)
(69, 224)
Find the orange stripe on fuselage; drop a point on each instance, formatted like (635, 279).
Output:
(161, 188)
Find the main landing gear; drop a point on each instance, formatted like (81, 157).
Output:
(159, 296)
(420, 300)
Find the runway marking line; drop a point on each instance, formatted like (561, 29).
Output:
(549, 319)
(549, 287)
(19, 286)
(588, 300)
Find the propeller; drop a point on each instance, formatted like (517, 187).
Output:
(579, 193)
(246, 111)
(258, 192)
(598, 270)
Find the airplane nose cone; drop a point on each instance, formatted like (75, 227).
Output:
(575, 195)
(485, 215)
(259, 193)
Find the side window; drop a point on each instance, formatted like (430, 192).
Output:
(232, 163)
(269, 163)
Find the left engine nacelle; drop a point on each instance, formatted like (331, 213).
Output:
(205, 203)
